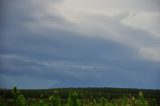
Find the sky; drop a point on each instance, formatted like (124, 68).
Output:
(80, 43)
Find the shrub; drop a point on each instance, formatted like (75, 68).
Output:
(15, 93)
(55, 99)
(2, 103)
(73, 100)
(21, 101)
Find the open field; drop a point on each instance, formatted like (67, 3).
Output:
(80, 97)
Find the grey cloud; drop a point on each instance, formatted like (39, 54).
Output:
(21, 11)
(144, 5)
(114, 29)
(63, 45)
(70, 57)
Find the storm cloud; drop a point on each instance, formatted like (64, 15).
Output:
(77, 43)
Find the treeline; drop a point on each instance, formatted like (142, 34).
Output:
(86, 93)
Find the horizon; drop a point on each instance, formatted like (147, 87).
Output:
(85, 43)
(156, 89)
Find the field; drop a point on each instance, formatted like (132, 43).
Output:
(79, 97)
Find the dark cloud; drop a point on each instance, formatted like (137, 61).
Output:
(68, 57)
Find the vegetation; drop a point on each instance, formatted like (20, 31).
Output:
(73, 100)
(79, 97)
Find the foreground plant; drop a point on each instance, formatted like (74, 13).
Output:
(55, 99)
(2, 103)
(73, 100)
(21, 101)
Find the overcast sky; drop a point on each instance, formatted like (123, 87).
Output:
(80, 43)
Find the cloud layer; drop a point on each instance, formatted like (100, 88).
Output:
(133, 23)
(80, 43)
